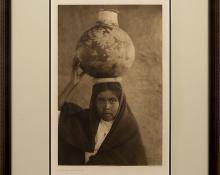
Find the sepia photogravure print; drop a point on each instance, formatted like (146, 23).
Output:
(97, 45)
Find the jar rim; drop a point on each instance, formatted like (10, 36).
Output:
(111, 10)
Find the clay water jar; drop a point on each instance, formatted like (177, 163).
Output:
(105, 50)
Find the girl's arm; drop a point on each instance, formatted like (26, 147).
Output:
(76, 76)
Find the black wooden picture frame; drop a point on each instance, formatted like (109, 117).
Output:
(214, 85)
(5, 87)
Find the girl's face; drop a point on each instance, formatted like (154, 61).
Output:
(107, 105)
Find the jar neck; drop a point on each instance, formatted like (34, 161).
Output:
(108, 17)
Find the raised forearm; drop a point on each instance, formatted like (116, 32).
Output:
(65, 93)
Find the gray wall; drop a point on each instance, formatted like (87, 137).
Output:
(142, 83)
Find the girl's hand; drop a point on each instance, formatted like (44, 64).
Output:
(77, 73)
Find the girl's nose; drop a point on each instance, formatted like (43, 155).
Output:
(107, 105)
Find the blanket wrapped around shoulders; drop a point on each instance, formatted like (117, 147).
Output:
(122, 146)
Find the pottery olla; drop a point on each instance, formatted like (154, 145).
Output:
(105, 50)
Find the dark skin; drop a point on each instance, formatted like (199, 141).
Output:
(107, 102)
(107, 105)
(76, 76)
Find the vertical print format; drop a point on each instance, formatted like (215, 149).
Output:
(110, 85)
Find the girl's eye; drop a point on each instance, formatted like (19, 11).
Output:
(113, 100)
(100, 100)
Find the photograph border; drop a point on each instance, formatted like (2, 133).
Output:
(5, 87)
(157, 154)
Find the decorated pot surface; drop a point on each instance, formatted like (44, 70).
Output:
(105, 50)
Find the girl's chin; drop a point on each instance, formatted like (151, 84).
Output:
(108, 118)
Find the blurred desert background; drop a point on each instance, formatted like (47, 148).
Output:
(142, 83)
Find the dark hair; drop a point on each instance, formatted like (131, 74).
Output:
(115, 87)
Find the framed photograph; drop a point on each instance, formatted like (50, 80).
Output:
(109, 87)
